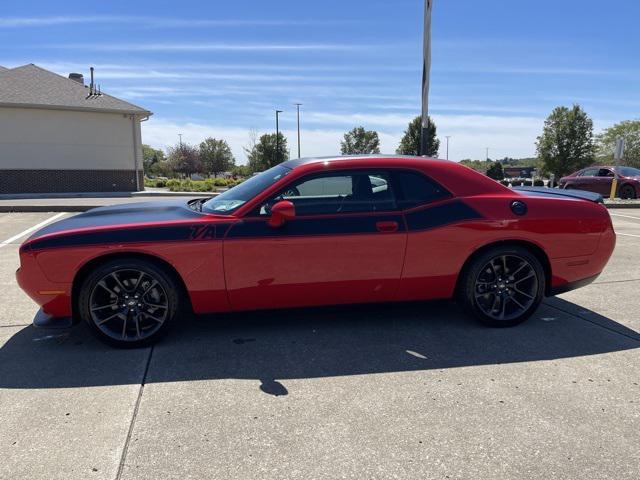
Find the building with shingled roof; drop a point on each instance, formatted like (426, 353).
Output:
(58, 135)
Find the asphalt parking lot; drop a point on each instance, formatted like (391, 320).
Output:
(405, 391)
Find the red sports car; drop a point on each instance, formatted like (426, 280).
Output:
(316, 232)
(598, 179)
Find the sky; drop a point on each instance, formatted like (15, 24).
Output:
(220, 68)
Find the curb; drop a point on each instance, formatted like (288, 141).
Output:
(45, 208)
(622, 205)
(31, 196)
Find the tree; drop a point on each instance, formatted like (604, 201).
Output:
(151, 156)
(629, 130)
(495, 171)
(410, 143)
(566, 143)
(262, 154)
(216, 156)
(240, 171)
(360, 142)
(184, 159)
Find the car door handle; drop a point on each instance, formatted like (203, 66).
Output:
(387, 227)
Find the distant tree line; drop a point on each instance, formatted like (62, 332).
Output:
(567, 143)
(213, 156)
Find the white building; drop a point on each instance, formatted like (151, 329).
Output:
(59, 135)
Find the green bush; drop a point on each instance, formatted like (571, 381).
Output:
(188, 185)
(527, 183)
(173, 184)
(505, 182)
(538, 183)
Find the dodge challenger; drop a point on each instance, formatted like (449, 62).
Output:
(313, 232)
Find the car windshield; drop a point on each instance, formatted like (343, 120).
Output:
(237, 196)
(629, 172)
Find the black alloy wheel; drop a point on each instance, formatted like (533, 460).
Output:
(504, 286)
(129, 303)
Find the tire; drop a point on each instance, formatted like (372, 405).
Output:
(627, 192)
(128, 302)
(500, 300)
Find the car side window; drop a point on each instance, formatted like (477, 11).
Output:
(605, 172)
(334, 193)
(589, 172)
(416, 189)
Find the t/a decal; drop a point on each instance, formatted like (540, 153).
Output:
(203, 232)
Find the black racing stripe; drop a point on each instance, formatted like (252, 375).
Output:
(447, 213)
(427, 218)
(313, 226)
(134, 235)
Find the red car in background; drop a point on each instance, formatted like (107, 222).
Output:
(318, 231)
(598, 179)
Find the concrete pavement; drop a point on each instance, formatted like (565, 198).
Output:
(404, 391)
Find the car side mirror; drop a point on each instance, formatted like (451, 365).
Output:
(281, 212)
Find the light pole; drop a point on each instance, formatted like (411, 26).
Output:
(426, 72)
(487, 154)
(298, 109)
(180, 135)
(278, 112)
(448, 137)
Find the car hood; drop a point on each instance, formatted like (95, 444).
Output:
(157, 217)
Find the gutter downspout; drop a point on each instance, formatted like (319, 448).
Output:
(134, 124)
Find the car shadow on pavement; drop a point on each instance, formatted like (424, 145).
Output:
(309, 343)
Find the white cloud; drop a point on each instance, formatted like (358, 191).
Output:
(154, 22)
(209, 47)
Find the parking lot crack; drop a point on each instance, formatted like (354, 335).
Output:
(134, 416)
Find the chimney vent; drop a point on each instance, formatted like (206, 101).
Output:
(77, 77)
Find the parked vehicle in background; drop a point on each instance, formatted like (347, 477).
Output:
(598, 179)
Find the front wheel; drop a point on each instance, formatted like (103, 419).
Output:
(128, 303)
(503, 286)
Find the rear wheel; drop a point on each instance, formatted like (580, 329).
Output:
(503, 286)
(627, 192)
(128, 303)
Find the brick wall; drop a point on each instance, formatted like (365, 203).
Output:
(67, 181)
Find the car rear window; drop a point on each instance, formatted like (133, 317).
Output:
(416, 189)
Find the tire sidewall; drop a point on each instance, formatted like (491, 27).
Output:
(627, 188)
(163, 277)
(471, 274)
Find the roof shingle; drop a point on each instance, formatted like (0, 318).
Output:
(32, 86)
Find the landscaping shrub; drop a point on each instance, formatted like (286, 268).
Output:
(538, 183)
(173, 185)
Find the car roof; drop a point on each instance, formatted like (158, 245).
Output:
(456, 178)
(357, 158)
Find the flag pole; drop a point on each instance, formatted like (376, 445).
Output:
(426, 71)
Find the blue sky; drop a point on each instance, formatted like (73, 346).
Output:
(220, 68)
